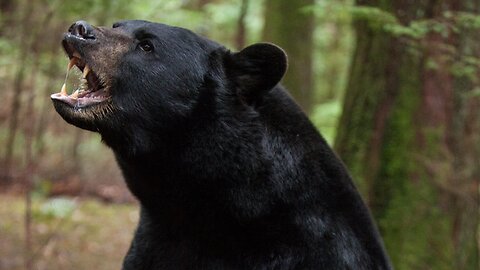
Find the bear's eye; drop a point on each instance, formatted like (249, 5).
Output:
(146, 46)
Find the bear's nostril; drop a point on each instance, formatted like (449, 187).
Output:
(82, 29)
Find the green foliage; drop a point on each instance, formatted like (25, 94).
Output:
(379, 19)
(415, 33)
(475, 93)
(468, 68)
(465, 20)
(41, 189)
(169, 12)
(95, 11)
(376, 17)
(416, 29)
(325, 117)
(59, 207)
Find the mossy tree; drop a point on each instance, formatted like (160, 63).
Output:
(410, 128)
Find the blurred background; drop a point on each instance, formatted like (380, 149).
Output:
(393, 86)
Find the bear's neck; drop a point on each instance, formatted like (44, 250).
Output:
(184, 188)
(182, 204)
(194, 165)
(151, 178)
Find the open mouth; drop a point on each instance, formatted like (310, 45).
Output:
(92, 89)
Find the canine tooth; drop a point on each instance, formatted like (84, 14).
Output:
(63, 92)
(86, 70)
(74, 95)
(72, 63)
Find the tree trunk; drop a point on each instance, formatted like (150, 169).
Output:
(241, 29)
(17, 93)
(288, 25)
(465, 141)
(7, 8)
(407, 135)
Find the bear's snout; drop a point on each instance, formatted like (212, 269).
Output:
(82, 29)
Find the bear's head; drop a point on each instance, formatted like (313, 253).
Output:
(143, 79)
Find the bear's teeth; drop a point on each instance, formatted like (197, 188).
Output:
(63, 92)
(86, 70)
(83, 83)
(74, 95)
(72, 63)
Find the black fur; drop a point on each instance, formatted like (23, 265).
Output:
(229, 171)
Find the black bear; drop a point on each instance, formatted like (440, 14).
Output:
(229, 172)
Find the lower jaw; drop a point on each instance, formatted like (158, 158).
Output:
(80, 102)
(89, 117)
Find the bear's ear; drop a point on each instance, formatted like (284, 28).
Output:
(256, 69)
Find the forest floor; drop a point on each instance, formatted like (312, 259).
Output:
(66, 233)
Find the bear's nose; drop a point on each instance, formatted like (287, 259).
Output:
(82, 29)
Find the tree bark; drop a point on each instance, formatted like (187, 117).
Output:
(288, 25)
(465, 146)
(407, 135)
(7, 8)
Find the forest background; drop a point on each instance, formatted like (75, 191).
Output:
(393, 85)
